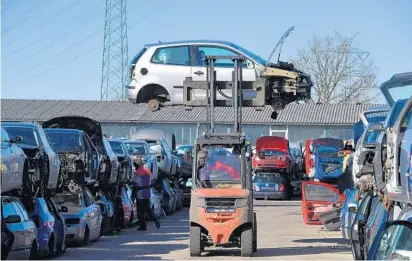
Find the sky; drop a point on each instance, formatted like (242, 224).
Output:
(52, 49)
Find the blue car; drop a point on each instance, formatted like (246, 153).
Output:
(348, 211)
(270, 186)
(44, 220)
(394, 240)
(329, 155)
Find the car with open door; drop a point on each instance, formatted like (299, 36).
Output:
(318, 197)
(44, 163)
(394, 240)
(109, 165)
(14, 164)
(357, 233)
(24, 245)
(78, 155)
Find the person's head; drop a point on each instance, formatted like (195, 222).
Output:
(138, 163)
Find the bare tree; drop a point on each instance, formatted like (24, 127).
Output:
(341, 73)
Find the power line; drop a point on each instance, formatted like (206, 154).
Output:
(43, 25)
(52, 44)
(54, 68)
(26, 17)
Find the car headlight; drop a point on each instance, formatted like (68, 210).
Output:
(241, 202)
(200, 202)
(256, 188)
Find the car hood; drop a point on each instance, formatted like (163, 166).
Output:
(401, 80)
(91, 127)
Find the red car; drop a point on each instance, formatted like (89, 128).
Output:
(272, 153)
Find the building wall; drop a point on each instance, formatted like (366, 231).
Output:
(186, 133)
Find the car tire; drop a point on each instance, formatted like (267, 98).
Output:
(195, 244)
(246, 242)
(33, 251)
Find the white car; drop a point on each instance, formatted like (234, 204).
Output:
(158, 71)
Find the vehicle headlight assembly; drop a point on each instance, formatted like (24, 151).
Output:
(200, 202)
(241, 202)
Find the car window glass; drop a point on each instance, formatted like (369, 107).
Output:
(21, 210)
(395, 243)
(178, 55)
(7, 208)
(116, 147)
(268, 178)
(27, 133)
(202, 51)
(4, 135)
(70, 199)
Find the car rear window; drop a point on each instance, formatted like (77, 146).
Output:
(268, 178)
(28, 135)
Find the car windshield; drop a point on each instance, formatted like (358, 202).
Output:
(370, 137)
(267, 178)
(27, 133)
(220, 165)
(65, 141)
(252, 55)
(68, 200)
(135, 148)
(116, 147)
(274, 152)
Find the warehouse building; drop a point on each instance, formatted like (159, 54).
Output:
(297, 122)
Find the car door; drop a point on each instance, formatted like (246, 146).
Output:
(348, 212)
(95, 213)
(7, 159)
(318, 197)
(356, 234)
(54, 161)
(28, 227)
(168, 160)
(17, 250)
(169, 66)
(93, 156)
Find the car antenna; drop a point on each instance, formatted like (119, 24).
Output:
(280, 43)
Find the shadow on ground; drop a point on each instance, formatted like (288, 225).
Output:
(322, 240)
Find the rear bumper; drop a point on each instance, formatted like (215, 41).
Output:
(269, 194)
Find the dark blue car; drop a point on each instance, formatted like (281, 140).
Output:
(270, 186)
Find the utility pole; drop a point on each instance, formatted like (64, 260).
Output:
(115, 52)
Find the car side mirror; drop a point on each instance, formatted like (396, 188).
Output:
(13, 219)
(262, 154)
(63, 209)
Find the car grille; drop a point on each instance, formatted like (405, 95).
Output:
(220, 204)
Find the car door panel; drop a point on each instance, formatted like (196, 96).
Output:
(356, 234)
(224, 68)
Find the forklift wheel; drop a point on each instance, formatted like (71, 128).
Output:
(195, 241)
(246, 242)
(254, 233)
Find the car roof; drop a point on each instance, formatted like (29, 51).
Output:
(184, 42)
(64, 130)
(20, 124)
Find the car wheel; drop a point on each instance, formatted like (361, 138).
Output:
(195, 244)
(246, 242)
(86, 237)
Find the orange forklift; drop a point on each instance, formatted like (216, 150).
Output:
(221, 208)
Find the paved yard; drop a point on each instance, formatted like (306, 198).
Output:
(281, 233)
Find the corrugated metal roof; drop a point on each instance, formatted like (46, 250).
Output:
(124, 111)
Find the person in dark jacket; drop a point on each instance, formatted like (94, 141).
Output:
(143, 186)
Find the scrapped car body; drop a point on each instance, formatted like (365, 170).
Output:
(179, 193)
(109, 165)
(348, 211)
(140, 149)
(399, 160)
(270, 186)
(44, 163)
(129, 206)
(158, 71)
(184, 153)
(276, 154)
(24, 230)
(318, 197)
(393, 240)
(156, 202)
(82, 215)
(14, 164)
(125, 160)
(59, 227)
(107, 205)
(169, 198)
(38, 211)
(78, 155)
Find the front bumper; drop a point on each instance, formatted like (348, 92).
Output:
(269, 194)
